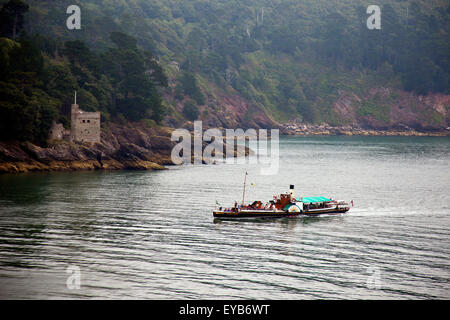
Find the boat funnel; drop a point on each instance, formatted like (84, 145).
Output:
(291, 191)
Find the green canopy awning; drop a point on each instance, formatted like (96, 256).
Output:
(314, 199)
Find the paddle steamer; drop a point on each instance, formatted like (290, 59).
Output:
(284, 205)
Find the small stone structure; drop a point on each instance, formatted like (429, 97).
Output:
(57, 131)
(84, 127)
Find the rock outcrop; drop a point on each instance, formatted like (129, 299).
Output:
(131, 147)
(122, 147)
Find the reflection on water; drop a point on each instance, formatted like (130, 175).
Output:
(152, 234)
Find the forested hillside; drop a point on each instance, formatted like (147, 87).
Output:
(238, 62)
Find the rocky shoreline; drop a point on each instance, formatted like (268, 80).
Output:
(138, 147)
(123, 147)
(132, 147)
(327, 130)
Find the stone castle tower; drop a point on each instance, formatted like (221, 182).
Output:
(84, 127)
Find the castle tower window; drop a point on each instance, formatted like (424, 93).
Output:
(89, 121)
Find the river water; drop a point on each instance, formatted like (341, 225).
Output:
(151, 235)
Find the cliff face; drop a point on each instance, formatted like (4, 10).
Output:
(382, 112)
(121, 147)
(385, 109)
(221, 110)
(372, 108)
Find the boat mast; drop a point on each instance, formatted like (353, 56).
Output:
(243, 193)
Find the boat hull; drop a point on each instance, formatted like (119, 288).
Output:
(325, 211)
(249, 214)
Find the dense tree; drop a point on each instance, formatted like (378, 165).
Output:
(12, 18)
(190, 110)
(26, 110)
(123, 41)
(191, 88)
(136, 76)
(33, 88)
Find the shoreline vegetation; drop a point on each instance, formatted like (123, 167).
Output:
(138, 147)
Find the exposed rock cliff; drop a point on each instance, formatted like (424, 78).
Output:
(386, 109)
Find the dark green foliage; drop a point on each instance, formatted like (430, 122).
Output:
(122, 81)
(26, 110)
(16, 114)
(190, 110)
(292, 62)
(135, 76)
(190, 87)
(178, 92)
(12, 18)
(210, 36)
(123, 41)
(77, 52)
(60, 82)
